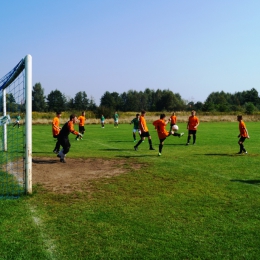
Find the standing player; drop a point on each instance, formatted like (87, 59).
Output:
(192, 125)
(63, 137)
(81, 119)
(160, 125)
(116, 117)
(243, 134)
(173, 120)
(102, 120)
(135, 121)
(144, 132)
(56, 130)
(17, 121)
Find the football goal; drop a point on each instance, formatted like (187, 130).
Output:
(16, 130)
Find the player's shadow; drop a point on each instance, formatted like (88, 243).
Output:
(42, 161)
(134, 156)
(254, 182)
(113, 149)
(175, 144)
(120, 141)
(219, 154)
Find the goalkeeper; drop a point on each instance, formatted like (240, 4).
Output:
(63, 137)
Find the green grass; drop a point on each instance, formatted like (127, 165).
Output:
(193, 202)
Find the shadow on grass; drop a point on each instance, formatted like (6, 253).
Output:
(135, 156)
(113, 149)
(221, 154)
(44, 161)
(121, 141)
(254, 182)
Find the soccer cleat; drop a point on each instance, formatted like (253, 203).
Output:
(245, 152)
(159, 154)
(151, 148)
(62, 160)
(181, 134)
(136, 148)
(54, 151)
(187, 143)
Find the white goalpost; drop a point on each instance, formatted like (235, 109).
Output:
(16, 132)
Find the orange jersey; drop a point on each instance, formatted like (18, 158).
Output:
(160, 127)
(142, 124)
(173, 120)
(67, 129)
(55, 126)
(192, 122)
(242, 129)
(81, 120)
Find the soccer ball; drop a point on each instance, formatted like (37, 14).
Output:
(175, 127)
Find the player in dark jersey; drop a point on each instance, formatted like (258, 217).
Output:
(135, 121)
(63, 137)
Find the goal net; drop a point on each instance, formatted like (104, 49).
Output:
(16, 130)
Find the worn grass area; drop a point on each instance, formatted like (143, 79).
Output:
(193, 202)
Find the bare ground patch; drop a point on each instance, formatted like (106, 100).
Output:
(76, 174)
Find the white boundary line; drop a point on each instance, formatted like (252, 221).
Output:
(49, 243)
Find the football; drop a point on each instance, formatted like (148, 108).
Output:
(175, 127)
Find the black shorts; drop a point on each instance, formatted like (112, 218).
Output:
(81, 128)
(192, 132)
(145, 134)
(242, 139)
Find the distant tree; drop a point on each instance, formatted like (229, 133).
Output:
(56, 101)
(250, 108)
(92, 105)
(81, 101)
(38, 98)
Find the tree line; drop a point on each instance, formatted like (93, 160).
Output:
(160, 100)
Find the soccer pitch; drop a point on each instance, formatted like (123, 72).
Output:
(193, 202)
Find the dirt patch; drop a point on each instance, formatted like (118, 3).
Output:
(76, 174)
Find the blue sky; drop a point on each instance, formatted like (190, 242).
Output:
(192, 47)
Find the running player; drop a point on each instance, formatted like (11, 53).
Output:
(81, 119)
(63, 137)
(160, 125)
(144, 132)
(17, 121)
(173, 120)
(243, 134)
(56, 130)
(135, 121)
(116, 117)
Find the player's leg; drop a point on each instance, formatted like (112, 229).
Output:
(134, 134)
(194, 136)
(150, 142)
(142, 135)
(161, 146)
(189, 137)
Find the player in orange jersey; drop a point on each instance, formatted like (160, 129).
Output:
(81, 119)
(173, 120)
(160, 125)
(243, 134)
(63, 137)
(144, 132)
(193, 123)
(55, 130)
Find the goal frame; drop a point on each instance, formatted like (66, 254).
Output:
(24, 64)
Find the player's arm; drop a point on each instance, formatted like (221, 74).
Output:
(72, 130)
(197, 124)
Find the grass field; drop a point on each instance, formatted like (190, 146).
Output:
(193, 202)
